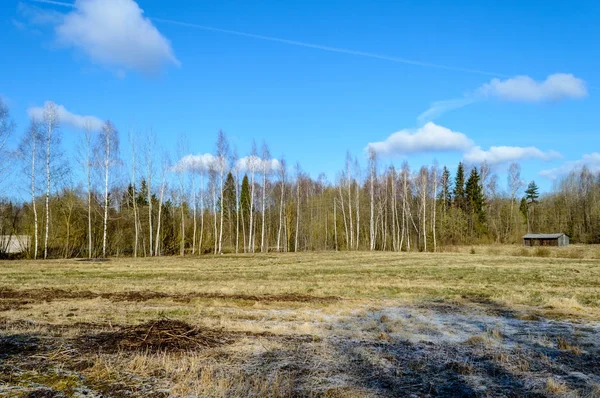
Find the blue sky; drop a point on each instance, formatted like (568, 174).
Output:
(323, 78)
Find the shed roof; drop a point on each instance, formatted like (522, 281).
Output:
(543, 236)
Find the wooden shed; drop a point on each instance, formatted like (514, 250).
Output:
(559, 239)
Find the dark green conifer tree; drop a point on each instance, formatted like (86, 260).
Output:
(459, 198)
(475, 202)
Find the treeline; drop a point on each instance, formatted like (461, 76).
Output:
(93, 204)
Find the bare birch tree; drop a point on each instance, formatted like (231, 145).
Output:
(515, 184)
(372, 177)
(298, 181)
(405, 175)
(357, 205)
(222, 155)
(149, 146)
(181, 149)
(349, 187)
(212, 173)
(29, 152)
(108, 148)
(87, 161)
(282, 167)
(422, 178)
(51, 123)
(163, 187)
(252, 164)
(133, 191)
(434, 187)
(266, 167)
(194, 208)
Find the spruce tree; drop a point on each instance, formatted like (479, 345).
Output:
(245, 201)
(474, 193)
(230, 204)
(459, 188)
(229, 199)
(532, 192)
(475, 202)
(531, 197)
(445, 193)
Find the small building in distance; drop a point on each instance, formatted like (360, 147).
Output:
(559, 239)
(14, 244)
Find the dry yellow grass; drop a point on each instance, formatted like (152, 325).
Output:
(296, 323)
(555, 287)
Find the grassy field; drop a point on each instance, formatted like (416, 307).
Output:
(483, 321)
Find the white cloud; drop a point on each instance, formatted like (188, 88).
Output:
(506, 154)
(591, 161)
(68, 118)
(434, 138)
(115, 33)
(556, 87)
(195, 163)
(429, 138)
(249, 163)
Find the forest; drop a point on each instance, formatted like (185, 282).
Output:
(92, 203)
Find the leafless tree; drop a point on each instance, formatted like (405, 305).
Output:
(136, 222)
(51, 123)
(266, 167)
(212, 173)
(422, 179)
(194, 208)
(163, 186)
(149, 147)
(282, 170)
(515, 184)
(87, 161)
(349, 187)
(29, 152)
(252, 164)
(236, 179)
(181, 149)
(108, 147)
(405, 176)
(298, 182)
(222, 155)
(343, 207)
(434, 188)
(372, 177)
(357, 205)
(484, 174)
(335, 234)
(392, 176)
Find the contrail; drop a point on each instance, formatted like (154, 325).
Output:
(330, 49)
(56, 3)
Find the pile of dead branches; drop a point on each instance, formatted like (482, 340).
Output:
(158, 335)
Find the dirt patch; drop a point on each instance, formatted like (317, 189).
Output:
(49, 294)
(10, 304)
(93, 260)
(44, 294)
(157, 335)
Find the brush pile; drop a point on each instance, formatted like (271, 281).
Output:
(158, 335)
